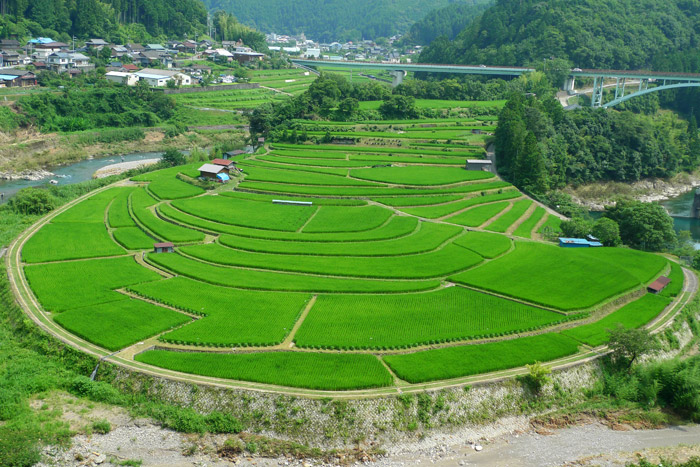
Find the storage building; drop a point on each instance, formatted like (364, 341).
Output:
(164, 247)
(658, 285)
(577, 243)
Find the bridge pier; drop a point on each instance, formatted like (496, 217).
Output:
(398, 76)
(695, 212)
(570, 85)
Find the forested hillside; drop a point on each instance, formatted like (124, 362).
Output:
(619, 34)
(119, 20)
(330, 20)
(448, 21)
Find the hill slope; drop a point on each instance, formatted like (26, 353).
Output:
(620, 34)
(447, 21)
(329, 20)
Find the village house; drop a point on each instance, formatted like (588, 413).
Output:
(244, 55)
(43, 50)
(17, 78)
(97, 44)
(160, 78)
(214, 172)
(128, 79)
(10, 58)
(118, 51)
(9, 44)
(65, 61)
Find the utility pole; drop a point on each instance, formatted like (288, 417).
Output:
(73, 43)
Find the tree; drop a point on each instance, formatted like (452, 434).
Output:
(607, 231)
(645, 226)
(398, 106)
(530, 173)
(577, 227)
(32, 201)
(537, 376)
(628, 345)
(347, 108)
(173, 157)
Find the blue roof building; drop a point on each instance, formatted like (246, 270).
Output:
(577, 243)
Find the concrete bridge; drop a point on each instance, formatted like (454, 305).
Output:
(659, 80)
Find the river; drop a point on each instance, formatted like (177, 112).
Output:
(679, 208)
(74, 173)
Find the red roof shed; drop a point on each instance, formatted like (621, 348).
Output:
(658, 285)
(222, 162)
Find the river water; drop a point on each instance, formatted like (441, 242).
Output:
(74, 173)
(680, 209)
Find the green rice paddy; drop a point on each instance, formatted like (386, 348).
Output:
(403, 268)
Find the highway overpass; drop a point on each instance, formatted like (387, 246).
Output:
(660, 80)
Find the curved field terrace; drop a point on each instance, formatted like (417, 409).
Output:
(414, 272)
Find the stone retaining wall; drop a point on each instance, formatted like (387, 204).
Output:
(227, 87)
(388, 420)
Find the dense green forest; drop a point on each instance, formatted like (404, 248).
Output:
(659, 35)
(116, 20)
(541, 147)
(447, 21)
(83, 109)
(617, 34)
(330, 20)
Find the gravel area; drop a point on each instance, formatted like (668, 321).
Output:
(116, 169)
(592, 444)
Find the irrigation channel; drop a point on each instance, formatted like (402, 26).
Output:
(73, 173)
(29, 303)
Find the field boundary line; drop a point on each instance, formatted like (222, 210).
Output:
(288, 341)
(520, 220)
(301, 229)
(496, 217)
(535, 232)
(456, 213)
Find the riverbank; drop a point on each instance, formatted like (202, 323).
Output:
(28, 155)
(116, 169)
(595, 196)
(522, 444)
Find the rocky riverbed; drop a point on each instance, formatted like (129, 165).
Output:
(116, 169)
(595, 196)
(590, 444)
(30, 175)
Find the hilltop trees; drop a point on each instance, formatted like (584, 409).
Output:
(102, 18)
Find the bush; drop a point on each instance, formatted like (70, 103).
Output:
(173, 157)
(102, 427)
(32, 201)
(97, 391)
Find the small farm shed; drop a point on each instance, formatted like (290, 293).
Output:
(214, 172)
(479, 164)
(261, 140)
(577, 243)
(165, 247)
(658, 285)
(232, 154)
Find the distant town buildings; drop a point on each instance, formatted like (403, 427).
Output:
(128, 64)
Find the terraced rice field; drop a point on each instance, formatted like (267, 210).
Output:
(403, 268)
